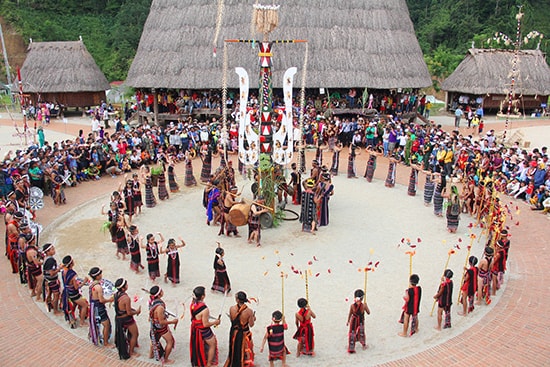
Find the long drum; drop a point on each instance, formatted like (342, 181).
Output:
(238, 214)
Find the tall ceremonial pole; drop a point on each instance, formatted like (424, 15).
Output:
(268, 146)
(22, 103)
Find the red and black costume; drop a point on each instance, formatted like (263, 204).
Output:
(122, 322)
(356, 326)
(305, 334)
(152, 251)
(470, 286)
(157, 330)
(445, 301)
(276, 341)
(241, 353)
(412, 306)
(197, 346)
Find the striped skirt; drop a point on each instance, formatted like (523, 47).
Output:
(150, 200)
(429, 187)
(390, 178)
(163, 193)
(302, 161)
(189, 178)
(438, 202)
(174, 187)
(371, 166)
(335, 163)
(412, 182)
(206, 169)
(351, 166)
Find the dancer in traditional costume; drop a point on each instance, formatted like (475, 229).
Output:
(275, 338)
(352, 172)
(35, 277)
(206, 166)
(241, 347)
(221, 279)
(296, 184)
(213, 212)
(484, 276)
(163, 193)
(356, 321)
(173, 264)
(254, 225)
(150, 200)
(126, 330)
(429, 187)
(189, 178)
(412, 307)
(172, 183)
(12, 230)
(136, 186)
(119, 232)
(469, 287)
(98, 313)
(152, 249)
(413, 180)
(71, 293)
(392, 168)
(160, 327)
(229, 200)
(129, 204)
(453, 210)
(499, 261)
(304, 335)
(134, 245)
(51, 277)
(371, 163)
(326, 190)
(335, 159)
(308, 214)
(438, 198)
(203, 344)
(444, 297)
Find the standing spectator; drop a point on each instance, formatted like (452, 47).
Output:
(458, 115)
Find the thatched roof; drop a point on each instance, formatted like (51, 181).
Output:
(489, 71)
(352, 43)
(61, 67)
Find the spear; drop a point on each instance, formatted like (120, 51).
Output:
(283, 292)
(307, 287)
(451, 251)
(371, 251)
(411, 254)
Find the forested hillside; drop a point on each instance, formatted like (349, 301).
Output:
(447, 28)
(111, 29)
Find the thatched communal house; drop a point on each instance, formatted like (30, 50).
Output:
(485, 75)
(353, 43)
(64, 73)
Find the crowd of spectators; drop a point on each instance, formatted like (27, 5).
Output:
(464, 154)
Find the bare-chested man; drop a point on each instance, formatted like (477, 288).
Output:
(34, 266)
(126, 330)
(51, 271)
(159, 327)
(230, 198)
(98, 313)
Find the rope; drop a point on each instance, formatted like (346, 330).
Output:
(219, 20)
(514, 72)
(225, 136)
(302, 109)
